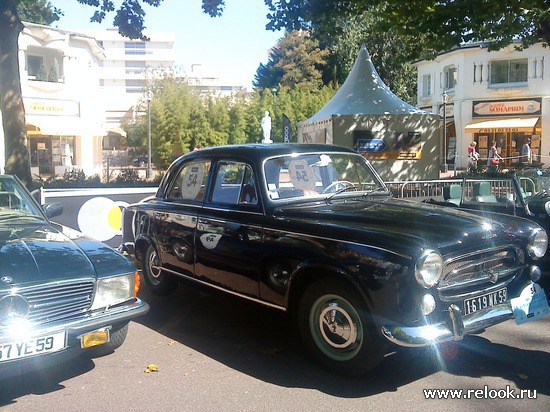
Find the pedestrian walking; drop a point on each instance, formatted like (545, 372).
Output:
(473, 157)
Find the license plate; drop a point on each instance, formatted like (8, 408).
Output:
(32, 346)
(485, 301)
(531, 304)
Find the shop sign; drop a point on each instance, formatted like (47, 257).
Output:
(447, 111)
(51, 107)
(507, 108)
(499, 130)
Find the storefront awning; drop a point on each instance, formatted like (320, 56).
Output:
(503, 125)
(117, 130)
(60, 126)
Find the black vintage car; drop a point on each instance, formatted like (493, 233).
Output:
(313, 231)
(60, 291)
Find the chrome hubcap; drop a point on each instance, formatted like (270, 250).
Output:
(154, 269)
(337, 327)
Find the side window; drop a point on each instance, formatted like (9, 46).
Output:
(248, 191)
(234, 184)
(191, 182)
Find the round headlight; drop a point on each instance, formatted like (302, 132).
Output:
(538, 242)
(429, 268)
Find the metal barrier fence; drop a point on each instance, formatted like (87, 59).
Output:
(501, 188)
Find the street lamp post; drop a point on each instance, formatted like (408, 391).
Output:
(149, 156)
(445, 168)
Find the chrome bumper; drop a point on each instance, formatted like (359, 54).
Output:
(454, 329)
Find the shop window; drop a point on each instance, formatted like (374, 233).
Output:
(506, 72)
(449, 77)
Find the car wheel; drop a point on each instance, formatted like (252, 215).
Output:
(158, 281)
(338, 330)
(117, 338)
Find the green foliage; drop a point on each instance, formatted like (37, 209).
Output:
(129, 18)
(42, 74)
(71, 178)
(37, 11)
(389, 52)
(429, 27)
(127, 177)
(296, 60)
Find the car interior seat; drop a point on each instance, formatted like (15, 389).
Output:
(452, 194)
(483, 193)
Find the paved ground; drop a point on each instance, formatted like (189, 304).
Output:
(216, 353)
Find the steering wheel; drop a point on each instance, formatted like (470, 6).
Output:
(334, 186)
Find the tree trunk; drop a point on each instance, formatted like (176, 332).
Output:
(13, 111)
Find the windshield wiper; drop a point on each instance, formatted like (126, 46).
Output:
(18, 215)
(378, 189)
(343, 189)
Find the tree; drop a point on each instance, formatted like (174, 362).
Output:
(129, 19)
(443, 23)
(296, 60)
(13, 115)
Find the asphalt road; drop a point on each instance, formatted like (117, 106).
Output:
(216, 353)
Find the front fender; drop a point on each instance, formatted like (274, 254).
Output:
(308, 272)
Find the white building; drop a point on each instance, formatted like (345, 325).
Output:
(487, 96)
(77, 88)
(64, 108)
(128, 63)
(122, 72)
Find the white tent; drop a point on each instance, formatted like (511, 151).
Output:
(401, 140)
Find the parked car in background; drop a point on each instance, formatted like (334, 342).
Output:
(140, 161)
(60, 291)
(524, 193)
(313, 231)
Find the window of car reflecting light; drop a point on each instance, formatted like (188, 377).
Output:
(318, 174)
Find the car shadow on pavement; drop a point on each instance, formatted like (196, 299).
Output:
(42, 381)
(261, 343)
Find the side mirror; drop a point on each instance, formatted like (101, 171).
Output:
(52, 209)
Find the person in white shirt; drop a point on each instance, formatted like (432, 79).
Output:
(526, 154)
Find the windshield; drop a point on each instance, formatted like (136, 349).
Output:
(534, 181)
(311, 175)
(14, 199)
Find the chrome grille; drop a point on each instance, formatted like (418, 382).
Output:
(57, 301)
(479, 270)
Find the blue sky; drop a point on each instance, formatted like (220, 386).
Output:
(230, 47)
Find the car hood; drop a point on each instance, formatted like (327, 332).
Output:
(396, 221)
(39, 252)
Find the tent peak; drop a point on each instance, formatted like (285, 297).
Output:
(364, 92)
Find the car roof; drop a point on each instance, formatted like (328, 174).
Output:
(256, 151)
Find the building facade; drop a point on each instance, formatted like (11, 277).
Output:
(122, 74)
(78, 87)
(487, 96)
(64, 108)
